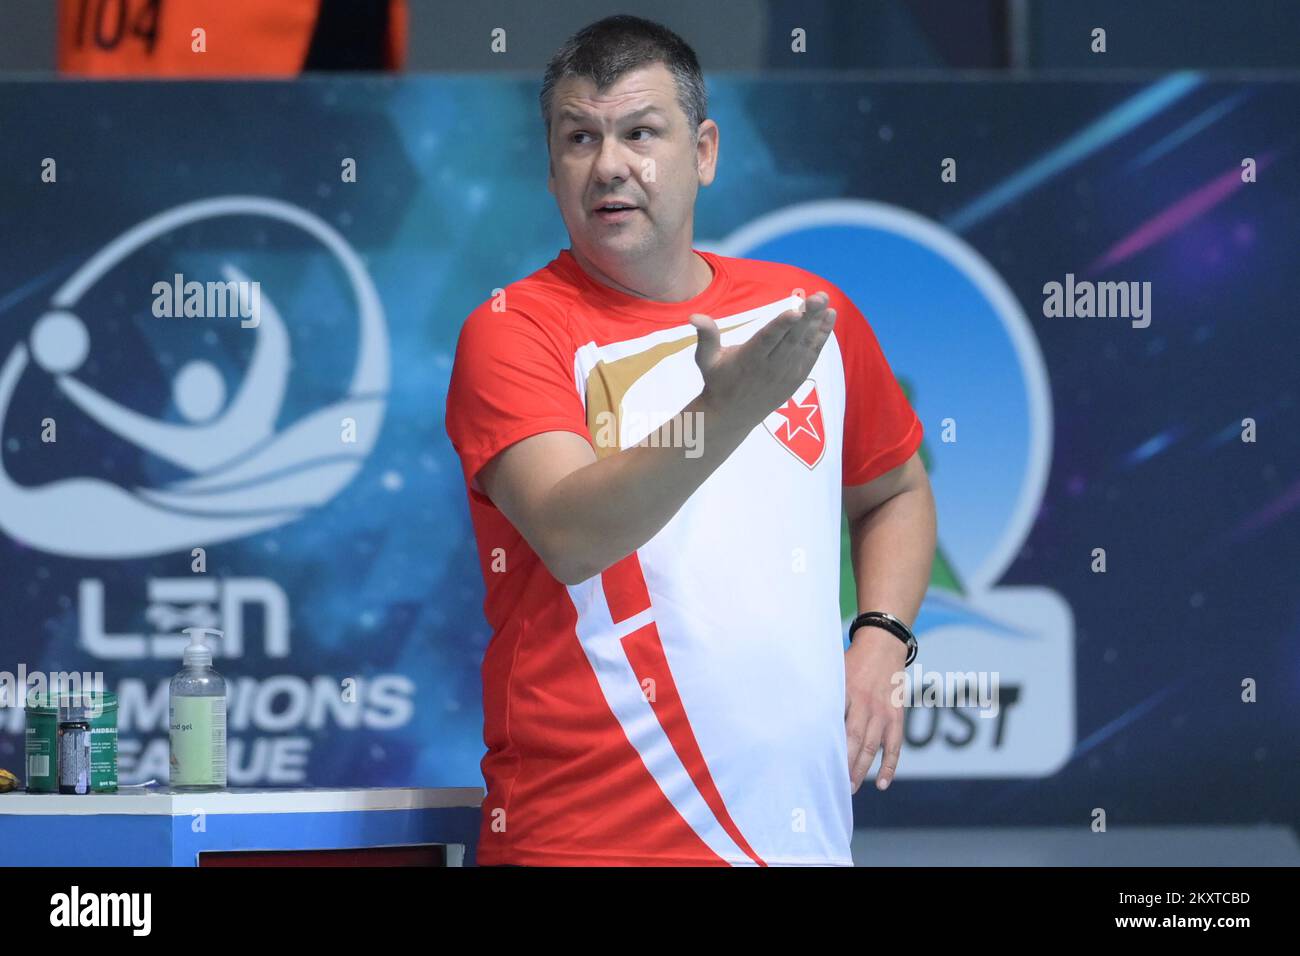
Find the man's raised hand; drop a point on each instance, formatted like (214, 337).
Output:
(751, 379)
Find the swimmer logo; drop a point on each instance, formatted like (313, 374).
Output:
(246, 476)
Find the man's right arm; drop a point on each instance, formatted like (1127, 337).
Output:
(581, 514)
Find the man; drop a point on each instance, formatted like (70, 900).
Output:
(657, 442)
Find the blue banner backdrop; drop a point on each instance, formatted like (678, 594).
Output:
(305, 454)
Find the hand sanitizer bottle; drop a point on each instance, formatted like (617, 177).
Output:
(197, 718)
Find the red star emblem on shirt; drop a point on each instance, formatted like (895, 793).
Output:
(798, 424)
(799, 418)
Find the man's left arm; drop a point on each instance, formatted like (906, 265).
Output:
(892, 540)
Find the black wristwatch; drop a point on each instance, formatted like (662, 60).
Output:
(891, 624)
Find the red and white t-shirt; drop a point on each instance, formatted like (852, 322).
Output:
(685, 706)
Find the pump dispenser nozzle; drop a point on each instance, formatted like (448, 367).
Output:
(198, 654)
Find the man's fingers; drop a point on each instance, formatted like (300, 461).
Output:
(779, 329)
(818, 332)
(709, 340)
(803, 330)
(866, 756)
(792, 322)
(816, 318)
(855, 730)
(889, 762)
(818, 300)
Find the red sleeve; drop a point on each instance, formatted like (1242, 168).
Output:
(881, 430)
(512, 378)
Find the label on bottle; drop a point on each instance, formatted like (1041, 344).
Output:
(74, 760)
(198, 741)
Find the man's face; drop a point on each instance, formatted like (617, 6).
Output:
(631, 144)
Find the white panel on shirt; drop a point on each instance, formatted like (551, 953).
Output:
(754, 645)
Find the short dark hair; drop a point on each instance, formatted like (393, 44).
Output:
(603, 51)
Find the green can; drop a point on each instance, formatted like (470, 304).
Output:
(42, 739)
